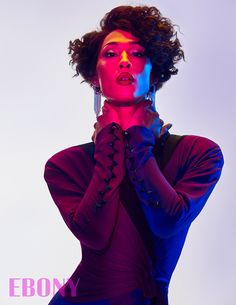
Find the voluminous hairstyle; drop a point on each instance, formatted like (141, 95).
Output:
(155, 32)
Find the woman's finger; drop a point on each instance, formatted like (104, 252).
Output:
(93, 138)
(104, 109)
(165, 128)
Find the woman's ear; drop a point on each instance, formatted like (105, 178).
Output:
(95, 81)
(153, 81)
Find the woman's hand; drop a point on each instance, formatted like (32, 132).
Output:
(145, 115)
(108, 116)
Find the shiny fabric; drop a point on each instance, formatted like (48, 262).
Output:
(88, 195)
(133, 298)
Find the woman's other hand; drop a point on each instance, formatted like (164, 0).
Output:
(145, 115)
(108, 116)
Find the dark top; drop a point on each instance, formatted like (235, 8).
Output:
(87, 193)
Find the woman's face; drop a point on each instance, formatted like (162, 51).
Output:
(123, 71)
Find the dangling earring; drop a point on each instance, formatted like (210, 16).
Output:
(97, 100)
(152, 94)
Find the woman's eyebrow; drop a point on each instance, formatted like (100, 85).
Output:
(116, 43)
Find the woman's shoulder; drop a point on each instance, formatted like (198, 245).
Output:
(198, 142)
(197, 147)
(78, 154)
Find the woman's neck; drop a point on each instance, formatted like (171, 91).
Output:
(125, 112)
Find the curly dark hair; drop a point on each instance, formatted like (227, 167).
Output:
(155, 32)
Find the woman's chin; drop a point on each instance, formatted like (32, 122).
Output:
(125, 102)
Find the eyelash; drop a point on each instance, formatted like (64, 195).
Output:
(138, 54)
(109, 54)
(134, 53)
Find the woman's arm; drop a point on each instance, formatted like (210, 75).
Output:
(89, 210)
(169, 209)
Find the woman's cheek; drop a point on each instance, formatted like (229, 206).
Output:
(103, 70)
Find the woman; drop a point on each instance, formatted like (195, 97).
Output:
(131, 194)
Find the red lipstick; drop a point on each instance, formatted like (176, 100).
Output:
(125, 78)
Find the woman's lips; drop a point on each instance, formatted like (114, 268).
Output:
(124, 78)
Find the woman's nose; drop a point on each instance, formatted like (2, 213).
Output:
(124, 61)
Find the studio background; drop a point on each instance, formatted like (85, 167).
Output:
(44, 110)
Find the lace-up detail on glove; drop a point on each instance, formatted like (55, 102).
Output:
(111, 175)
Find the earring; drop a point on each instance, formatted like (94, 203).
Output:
(97, 100)
(152, 94)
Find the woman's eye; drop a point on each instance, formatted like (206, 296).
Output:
(109, 54)
(137, 54)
